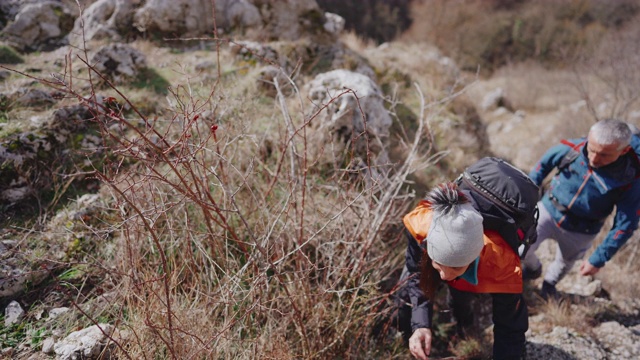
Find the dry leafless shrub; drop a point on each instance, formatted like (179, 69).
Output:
(227, 249)
(607, 76)
(545, 31)
(247, 251)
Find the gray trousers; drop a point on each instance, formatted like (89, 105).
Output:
(570, 247)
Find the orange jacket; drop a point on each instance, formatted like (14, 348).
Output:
(499, 269)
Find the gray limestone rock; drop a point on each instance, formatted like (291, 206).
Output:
(13, 313)
(84, 344)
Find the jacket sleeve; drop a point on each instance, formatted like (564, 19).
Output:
(548, 162)
(421, 308)
(625, 223)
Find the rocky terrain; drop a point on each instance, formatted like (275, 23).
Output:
(225, 179)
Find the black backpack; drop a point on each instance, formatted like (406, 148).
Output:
(507, 199)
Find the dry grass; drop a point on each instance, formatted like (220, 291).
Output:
(618, 275)
(355, 42)
(225, 240)
(472, 348)
(562, 313)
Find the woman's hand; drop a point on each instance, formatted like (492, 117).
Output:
(420, 343)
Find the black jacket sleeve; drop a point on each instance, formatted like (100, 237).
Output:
(421, 308)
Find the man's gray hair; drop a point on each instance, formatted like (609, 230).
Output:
(610, 132)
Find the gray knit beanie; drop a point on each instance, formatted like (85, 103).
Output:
(455, 237)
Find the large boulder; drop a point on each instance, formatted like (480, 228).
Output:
(622, 342)
(37, 99)
(32, 159)
(237, 14)
(104, 19)
(41, 25)
(351, 122)
(15, 271)
(8, 10)
(291, 19)
(262, 20)
(188, 18)
(564, 344)
(84, 344)
(119, 62)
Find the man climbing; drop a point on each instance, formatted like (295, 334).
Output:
(594, 175)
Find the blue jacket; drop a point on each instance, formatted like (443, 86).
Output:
(580, 198)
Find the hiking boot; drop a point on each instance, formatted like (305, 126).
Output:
(528, 274)
(549, 291)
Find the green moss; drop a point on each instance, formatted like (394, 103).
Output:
(318, 60)
(38, 336)
(11, 336)
(14, 146)
(73, 273)
(248, 60)
(407, 119)
(76, 141)
(65, 20)
(313, 21)
(5, 103)
(148, 78)
(9, 56)
(7, 173)
(389, 78)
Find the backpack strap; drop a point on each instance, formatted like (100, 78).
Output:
(574, 152)
(635, 149)
(571, 155)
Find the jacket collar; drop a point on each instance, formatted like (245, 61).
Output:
(618, 173)
(471, 275)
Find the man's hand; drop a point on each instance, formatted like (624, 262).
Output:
(587, 269)
(420, 343)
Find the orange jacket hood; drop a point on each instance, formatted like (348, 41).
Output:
(499, 268)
